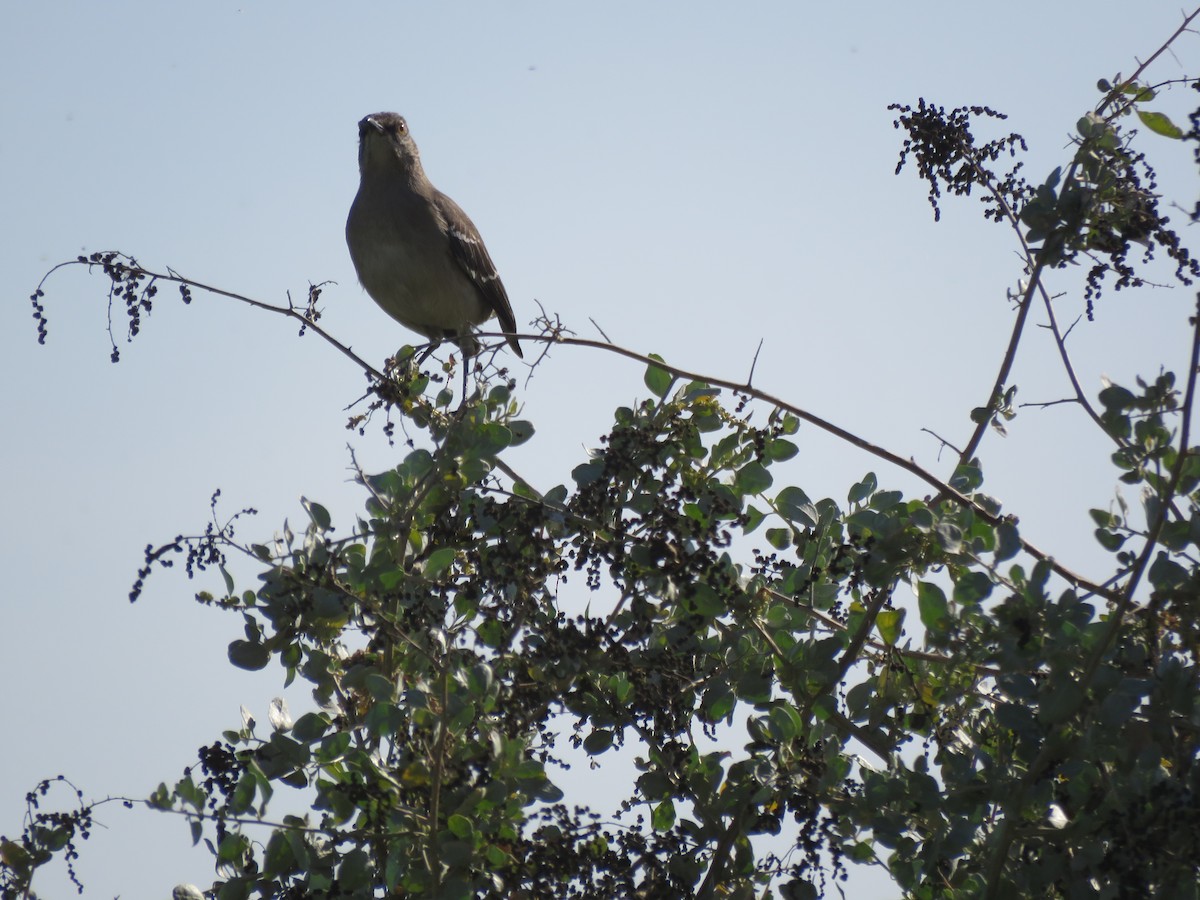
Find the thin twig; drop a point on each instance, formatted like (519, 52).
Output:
(1014, 340)
(1060, 341)
(1167, 43)
(1043, 404)
(943, 442)
(596, 325)
(754, 362)
(288, 311)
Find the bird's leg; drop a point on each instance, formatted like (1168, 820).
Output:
(433, 345)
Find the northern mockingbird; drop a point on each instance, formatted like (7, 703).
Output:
(416, 252)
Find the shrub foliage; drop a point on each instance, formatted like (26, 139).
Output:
(802, 684)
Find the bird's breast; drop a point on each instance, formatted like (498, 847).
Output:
(406, 267)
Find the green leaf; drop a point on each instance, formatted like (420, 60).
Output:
(753, 478)
(950, 535)
(719, 703)
(706, 602)
(521, 431)
(462, 719)
(935, 611)
(284, 850)
(1008, 541)
(249, 655)
(234, 888)
(921, 517)
(317, 513)
(187, 791)
(598, 741)
(784, 723)
(1116, 398)
(1117, 708)
(231, 848)
(1110, 540)
(798, 890)
(779, 538)
(378, 686)
(793, 504)
(355, 871)
(657, 379)
(333, 747)
(328, 605)
(778, 450)
(480, 679)
(972, 587)
(455, 854)
(310, 726)
(585, 473)
(15, 856)
(229, 585)
(243, 794)
(663, 816)
(863, 489)
(497, 858)
(754, 518)
(460, 826)
(967, 478)
(529, 770)
(1060, 700)
(490, 439)
(890, 623)
(1166, 574)
(491, 633)
(1159, 123)
(439, 561)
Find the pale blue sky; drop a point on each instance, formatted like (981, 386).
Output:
(694, 176)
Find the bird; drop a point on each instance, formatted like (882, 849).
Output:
(417, 254)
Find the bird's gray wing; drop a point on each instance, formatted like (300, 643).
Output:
(471, 255)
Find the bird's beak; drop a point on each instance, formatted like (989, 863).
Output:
(368, 122)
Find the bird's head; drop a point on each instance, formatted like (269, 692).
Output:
(385, 144)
